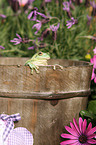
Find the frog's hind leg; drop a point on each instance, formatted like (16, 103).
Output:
(57, 65)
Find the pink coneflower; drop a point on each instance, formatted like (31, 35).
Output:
(79, 135)
(93, 60)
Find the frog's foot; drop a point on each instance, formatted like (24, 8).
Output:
(36, 68)
(57, 65)
(33, 67)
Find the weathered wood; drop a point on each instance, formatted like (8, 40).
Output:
(16, 80)
(45, 121)
(46, 101)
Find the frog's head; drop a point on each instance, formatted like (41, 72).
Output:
(41, 55)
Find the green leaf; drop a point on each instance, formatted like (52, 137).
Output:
(92, 106)
(85, 113)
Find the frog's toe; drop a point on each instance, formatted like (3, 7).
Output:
(37, 71)
(31, 72)
(61, 67)
(54, 67)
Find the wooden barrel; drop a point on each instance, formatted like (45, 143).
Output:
(46, 101)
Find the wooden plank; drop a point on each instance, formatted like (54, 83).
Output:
(17, 80)
(44, 118)
(46, 101)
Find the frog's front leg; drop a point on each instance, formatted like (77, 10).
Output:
(33, 67)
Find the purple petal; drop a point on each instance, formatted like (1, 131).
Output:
(94, 61)
(12, 40)
(84, 126)
(30, 15)
(91, 131)
(91, 60)
(76, 125)
(91, 141)
(89, 127)
(89, 18)
(38, 26)
(80, 123)
(1, 47)
(18, 36)
(3, 16)
(54, 28)
(93, 75)
(46, 1)
(73, 127)
(36, 32)
(69, 25)
(16, 43)
(34, 18)
(16, 39)
(64, 135)
(38, 21)
(94, 50)
(32, 47)
(72, 131)
(93, 4)
(95, 79)
(85, 144)
(69, 142)
(91, 136)
(42, 15)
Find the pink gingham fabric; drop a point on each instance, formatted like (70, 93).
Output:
(17, 136)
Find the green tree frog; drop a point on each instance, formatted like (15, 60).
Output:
(39, 59)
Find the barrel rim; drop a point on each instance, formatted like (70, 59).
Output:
(46, 95)
(84, 63)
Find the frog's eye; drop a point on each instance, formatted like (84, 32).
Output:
(40, 53)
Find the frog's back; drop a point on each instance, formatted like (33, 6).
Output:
(39, 62)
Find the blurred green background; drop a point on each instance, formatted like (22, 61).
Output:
(68, 45)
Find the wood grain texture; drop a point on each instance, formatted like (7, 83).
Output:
(16, 79)
(46, 101)
(45, 121)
